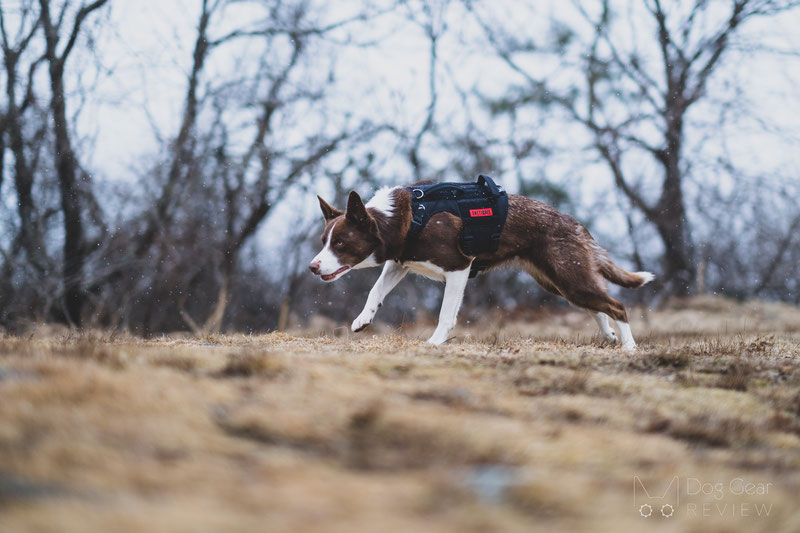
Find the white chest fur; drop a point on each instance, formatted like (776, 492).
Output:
(427, 269)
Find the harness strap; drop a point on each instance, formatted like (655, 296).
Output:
(482, 207)
(476, 268)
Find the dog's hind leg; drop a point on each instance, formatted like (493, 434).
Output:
(455, 283)
(607, 305)
(594, 299)
(392, 274)
(547, 284)
(605, 327)
(627, 337)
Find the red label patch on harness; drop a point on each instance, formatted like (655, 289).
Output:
(487, 212)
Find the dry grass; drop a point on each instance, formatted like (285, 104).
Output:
(531, 426)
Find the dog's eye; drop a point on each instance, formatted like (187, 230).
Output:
(338, 244)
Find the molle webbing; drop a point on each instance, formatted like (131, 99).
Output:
(482, 207)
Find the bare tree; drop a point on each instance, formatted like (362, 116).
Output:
(182, 147)
(632, 103)
(431, 17)
(214, 194)
(57, 31)
(13, 125)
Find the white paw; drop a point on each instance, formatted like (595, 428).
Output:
(629, 347)
(438, 339)
(611, 337)
(362, 321)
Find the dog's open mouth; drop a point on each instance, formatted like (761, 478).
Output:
(329, 277)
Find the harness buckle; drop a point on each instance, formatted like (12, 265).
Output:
(420, 191)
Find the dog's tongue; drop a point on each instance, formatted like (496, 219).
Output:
(326, 277)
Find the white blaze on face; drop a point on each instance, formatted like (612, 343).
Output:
(330, 268)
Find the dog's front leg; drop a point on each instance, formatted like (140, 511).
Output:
(455, 283)
(392, 274)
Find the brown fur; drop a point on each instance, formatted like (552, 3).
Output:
(561, 255)
(355, 234)
(554, 248)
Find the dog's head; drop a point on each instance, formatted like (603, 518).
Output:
(350, 240)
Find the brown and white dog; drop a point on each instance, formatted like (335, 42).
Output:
(552, 247)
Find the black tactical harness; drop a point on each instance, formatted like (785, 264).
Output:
(482, 207)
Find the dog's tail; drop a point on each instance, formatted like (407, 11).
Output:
(620, 276)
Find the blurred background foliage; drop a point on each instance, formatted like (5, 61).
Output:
(665, 127)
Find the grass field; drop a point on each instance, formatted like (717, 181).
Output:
(529, 425)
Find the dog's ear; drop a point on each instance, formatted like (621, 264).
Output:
(357, 213)
(328, 211)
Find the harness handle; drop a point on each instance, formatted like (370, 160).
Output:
(486, 181)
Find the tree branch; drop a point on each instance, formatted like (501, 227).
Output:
(622, 184)
(287, 30)
(664, 41)
(76, 26)
(783, 245)
(431, 110)
(718, 45)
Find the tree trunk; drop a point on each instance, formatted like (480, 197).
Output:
(66, 164)
(670, 212)
(23, 174)
(679, 267)
(182, 149)
(74, 251)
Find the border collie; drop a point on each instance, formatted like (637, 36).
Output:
(552, 247)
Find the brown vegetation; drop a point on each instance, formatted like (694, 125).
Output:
(532, 427)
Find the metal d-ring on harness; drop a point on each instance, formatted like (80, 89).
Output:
(482, 207)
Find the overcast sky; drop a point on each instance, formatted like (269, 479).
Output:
(145, 47)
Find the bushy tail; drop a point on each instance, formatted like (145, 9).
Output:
(619, 276)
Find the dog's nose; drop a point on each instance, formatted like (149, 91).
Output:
(314, 267)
